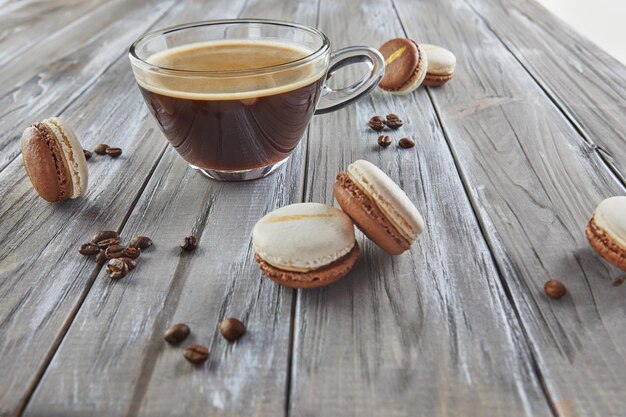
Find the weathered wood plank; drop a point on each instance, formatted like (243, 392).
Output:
(60, 68)
(534, 183)
(587, 83)
(427, 333)
(130, 370)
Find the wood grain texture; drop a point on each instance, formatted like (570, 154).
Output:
(127, 319)
(534, 184)
(587, 83)
(61, 67)
(422, 334)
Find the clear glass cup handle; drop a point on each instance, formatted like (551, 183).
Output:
(332, 99)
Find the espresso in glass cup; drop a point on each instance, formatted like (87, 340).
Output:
(234, 97)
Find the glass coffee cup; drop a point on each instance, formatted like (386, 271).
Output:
(234, 97)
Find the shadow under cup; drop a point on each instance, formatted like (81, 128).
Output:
(234, 97)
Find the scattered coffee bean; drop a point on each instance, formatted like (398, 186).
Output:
(619, 281)
(406, 143)
(141, 242)
(114, 251)
(131, 252)
(101, 258)
(392, 116)
(132, 263)
(554, 288)
(189, 243)
(87, 154)
(88, 249)
(384, 141)
(176, 333)
(196, 354)
(394, 123)
(377, 123)
(101, 148)
(232, 329)
(104, 234)
(114, 152)
(103, 244)
(117, 268)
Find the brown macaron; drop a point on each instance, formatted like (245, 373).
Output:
(406, 65)
(54, 160)
(606, 231)
(378, 207)
(305, 245)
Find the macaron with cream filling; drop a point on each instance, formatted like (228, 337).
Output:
(606, 230)
(305, 245)
(54, 160)
(406, 65)
(441, 65)
(378, 207)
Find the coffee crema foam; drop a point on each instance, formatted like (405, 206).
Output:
(225, 56)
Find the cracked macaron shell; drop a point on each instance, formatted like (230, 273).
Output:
(303, 237)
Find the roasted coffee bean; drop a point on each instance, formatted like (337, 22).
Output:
(377, 123)
(103, 244)
(101, 148)
(176, 333)
(141, 242)
(88, 249)
(87, 154)
(117, 269)
(554, 288)
(101, 258)
(619, 281)
(232, 329)
(114, 251)
(131, 252)
(104, 234)
(392, 116)
(132, 263)
(196, 354)
(189, 243)
(114, 152)
(394, 123)
(384, 141)
(406, 143)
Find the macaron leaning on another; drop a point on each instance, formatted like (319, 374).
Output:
(606, 230)
(54, 160)
(379, 207)
(441, 65)
(406, 65)
(305, 245)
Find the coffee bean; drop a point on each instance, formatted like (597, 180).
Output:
(101, 148)
(619, 281)
(384, 141)
(103, 244)
(196, 354)
(377, 123)
(232, 329)
(141, 242)
(104, 234)
(406, 143)
(554, 288)
(114, 251)
(392, 116)
(189, 243)
(114, 152)
(87, 154)
(131, 252)
(132, 263)
(176, 333)
(117, 269)
(88, 249)
(394, 123)
(101, 258)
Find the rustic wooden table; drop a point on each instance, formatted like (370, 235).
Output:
(512, 157)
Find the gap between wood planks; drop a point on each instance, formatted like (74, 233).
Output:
(605, 155)
(481, 225)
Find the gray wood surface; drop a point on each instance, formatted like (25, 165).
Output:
(587, 84)
(458, 326)
(534, 184)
